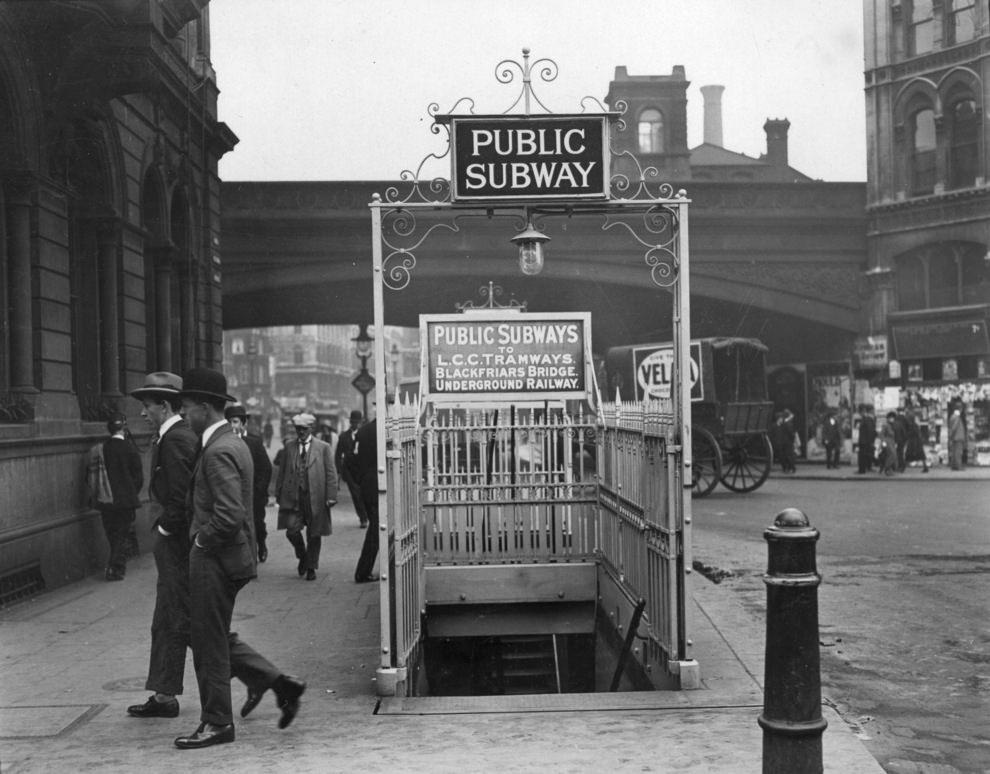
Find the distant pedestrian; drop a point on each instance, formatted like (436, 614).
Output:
(832, 439)
(342, 458)
(888, 445)
(306, 490)
(915, 449)
(222, 559)
(173, 453)
(900, 438)
(790, 439)
(267, 432)
(116, 477)
(957, 439)
(237, 416)
(866, 451)
(364, 470)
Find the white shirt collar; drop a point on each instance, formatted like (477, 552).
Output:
(172, 420)
(208, 432)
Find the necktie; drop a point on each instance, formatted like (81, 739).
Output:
(302, 454)
(154, 464)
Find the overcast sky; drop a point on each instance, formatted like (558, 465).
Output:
(339, 89)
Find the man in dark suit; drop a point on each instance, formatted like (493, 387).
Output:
(364, 470)
(342, 459)
(123, 468)
(237, 416)
(173, 449)
(223, 558)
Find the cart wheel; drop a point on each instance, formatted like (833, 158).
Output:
(748, 459)
(706, 461)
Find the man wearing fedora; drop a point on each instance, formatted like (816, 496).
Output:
(306, 490)
(223, 558)
(173, 450)
(237, 416)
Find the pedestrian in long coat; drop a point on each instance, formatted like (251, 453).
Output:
(305, 495)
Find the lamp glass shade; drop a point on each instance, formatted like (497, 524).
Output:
(531, 258)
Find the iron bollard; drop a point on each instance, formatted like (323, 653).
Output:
(792, 690)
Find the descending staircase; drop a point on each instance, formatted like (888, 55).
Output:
(527, 664)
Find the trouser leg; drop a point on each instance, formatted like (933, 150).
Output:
(170, 622)
(315, 543)
(211, 609)
(249, 666)
(369, 550)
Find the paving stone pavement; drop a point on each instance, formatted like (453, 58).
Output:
(73, 659)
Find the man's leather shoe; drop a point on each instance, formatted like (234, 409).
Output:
(288, 689)
(206, 735)
(366, 579)
(252, 701)
(155, 709)
(301, 567)
(310, 574)
(262, 552)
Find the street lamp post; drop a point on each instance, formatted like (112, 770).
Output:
(363, 382)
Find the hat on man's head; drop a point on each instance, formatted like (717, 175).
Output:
(237, 410)
(356, 416)
(116, 422)
(161, 384)
(205, 382)
(304, 420)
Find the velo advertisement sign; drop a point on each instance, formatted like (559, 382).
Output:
(484, 356)
(654, 368)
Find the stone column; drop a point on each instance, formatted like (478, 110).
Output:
(108, 249)
(21, 296)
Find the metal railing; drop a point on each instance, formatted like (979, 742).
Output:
(507, 486)
(523, 486)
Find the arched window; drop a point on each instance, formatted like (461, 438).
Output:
(960, 21)
(651, 131)
(964, 136)
(943, 274)
(921, 27)
(910, 283)
(923, 152)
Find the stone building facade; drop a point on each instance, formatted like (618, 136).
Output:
(109, 249)
(927, 285)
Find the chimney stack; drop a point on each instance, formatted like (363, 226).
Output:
(712, 96)
(776, 130)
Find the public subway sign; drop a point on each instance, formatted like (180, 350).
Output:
(516, 356)
(515, 158)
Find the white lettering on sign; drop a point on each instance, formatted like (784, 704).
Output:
(656, 373)
(505, 334)
(528, 142)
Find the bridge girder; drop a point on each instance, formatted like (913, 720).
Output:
(762, 256)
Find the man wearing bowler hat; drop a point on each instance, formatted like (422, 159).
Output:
(173, 450)
(223, 558)
(237, 416)
(342, 458)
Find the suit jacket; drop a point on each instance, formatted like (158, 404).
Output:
(342, 455)
(364, 460)
(124, 470)
(222, 521)
(262, 467)
(171, 468)
(321, 475)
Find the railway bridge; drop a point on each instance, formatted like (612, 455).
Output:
(782, 262)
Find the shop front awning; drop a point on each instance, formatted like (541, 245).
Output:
(940, 333)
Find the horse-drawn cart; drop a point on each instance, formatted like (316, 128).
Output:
(730, 413)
